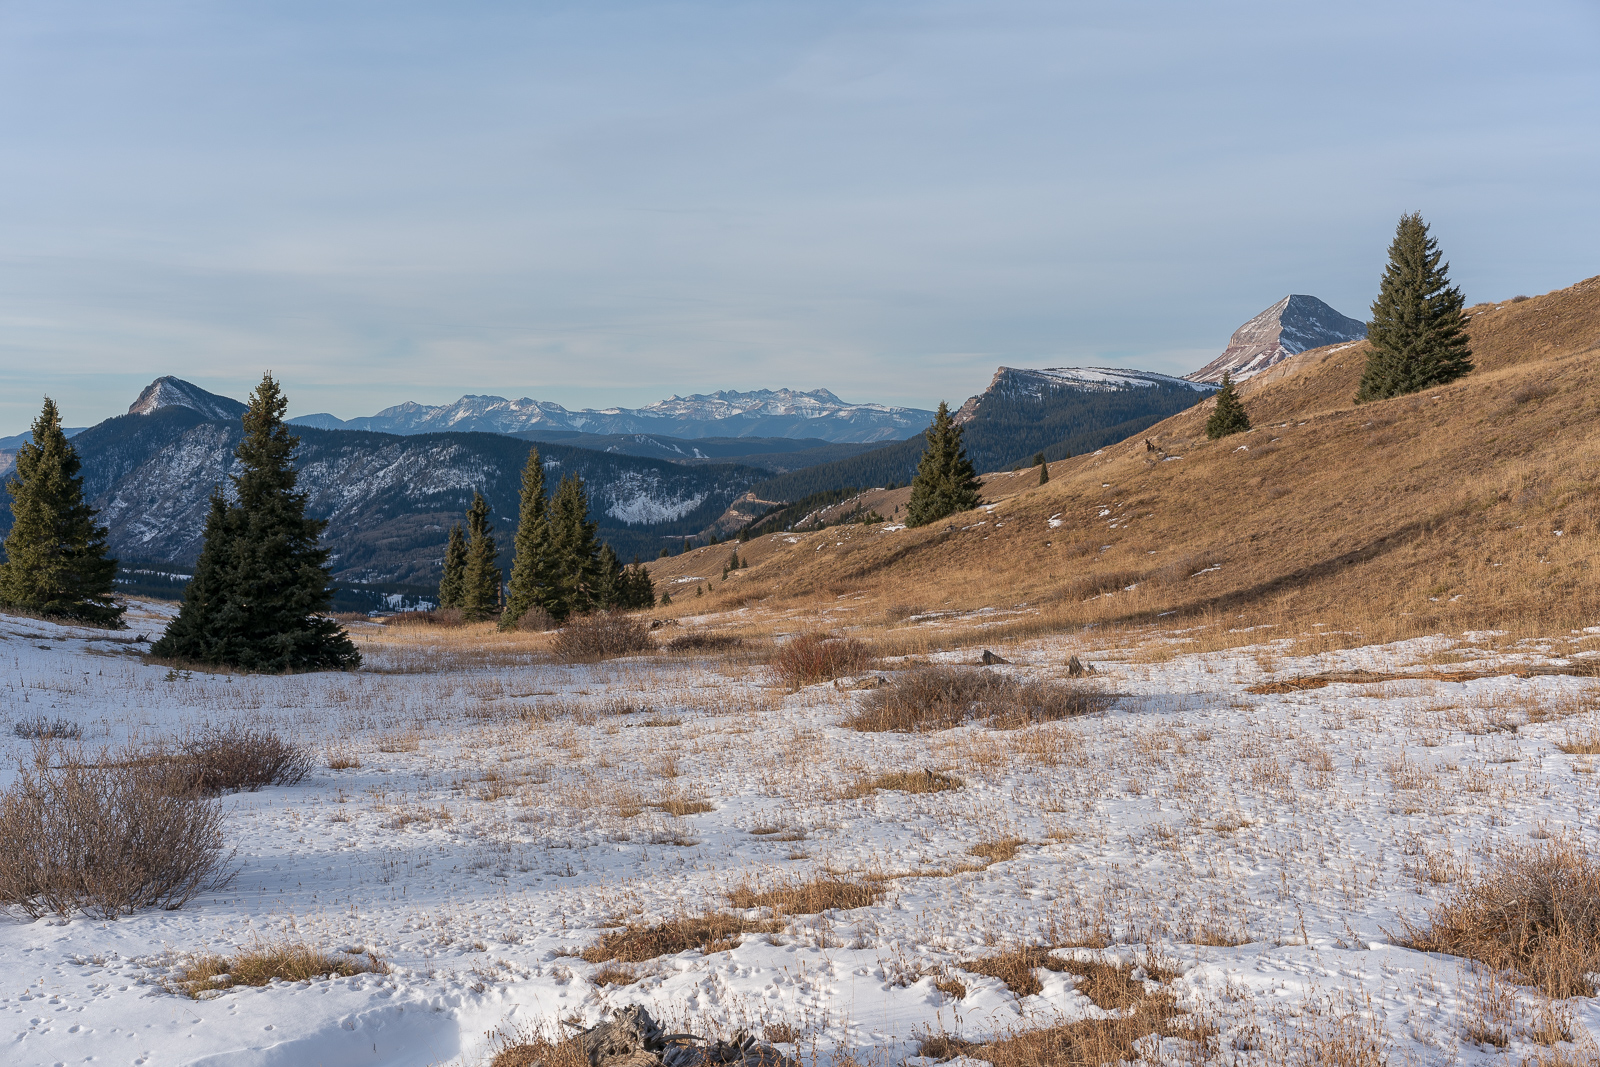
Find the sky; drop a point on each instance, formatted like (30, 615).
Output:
(607, 203)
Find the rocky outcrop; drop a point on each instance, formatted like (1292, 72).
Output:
(1293, 325)
(631, 1038)
(1013, 385)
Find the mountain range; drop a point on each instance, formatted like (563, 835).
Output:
(726, 413)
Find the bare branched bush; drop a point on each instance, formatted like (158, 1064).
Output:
(602, 635)
(1535, 914)
(812, 658)
(41, 728)
(700, 641)
(536, 620)
(106, 838)
(256, 966)
(441, 617)
(241, 758)
(938, 698)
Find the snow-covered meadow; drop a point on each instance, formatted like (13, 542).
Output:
(506, 811)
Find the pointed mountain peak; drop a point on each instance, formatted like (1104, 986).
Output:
(1291, 326)
(170, 392)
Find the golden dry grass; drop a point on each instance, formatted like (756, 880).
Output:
(713, 932)
(1535, 914)
(1386, 520)
(826, 893)
(260, 964)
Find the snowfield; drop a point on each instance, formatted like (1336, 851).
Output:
(507, 811)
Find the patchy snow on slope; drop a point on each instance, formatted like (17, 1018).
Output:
(636, 497)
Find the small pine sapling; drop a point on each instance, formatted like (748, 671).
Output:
(1229, 415)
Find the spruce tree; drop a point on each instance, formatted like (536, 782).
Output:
(1229, 415)
(574, 555)
(609, 588)
(530, 562)
(56, 560)
(261, 591)
(480, 583)
(945, 481)
(1038, 459)
(455, 569)
(1417, 334)
(639, 590)
(1044, 473)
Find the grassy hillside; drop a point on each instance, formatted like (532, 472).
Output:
(1469, 506)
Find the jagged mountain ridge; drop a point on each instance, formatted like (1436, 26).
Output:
(775, 413)
(167, 392)
(1295, 324)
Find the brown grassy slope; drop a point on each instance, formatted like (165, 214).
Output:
(1440, 507)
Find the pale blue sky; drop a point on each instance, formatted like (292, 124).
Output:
(606, 203)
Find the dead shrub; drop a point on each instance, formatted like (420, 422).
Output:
(41, 728)
(939, 698)
(826, 893)
(447, 618)
(535, 620)
(700, 641)
(241, 758)
(1535, 914)
(107, 839)
(812, 658)
(602, 635)
(256, 966)
(780, 1034)
(1532, 391)
(714, 932)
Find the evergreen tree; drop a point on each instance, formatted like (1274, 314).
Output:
(641, 589)
(261, 591)
(55, 553)
(455, 569)
(530, 563)
(1417, 334)
(609, 588)
(664, 553)
(945, 481)
(1229, 415)
(1038, 459)
(574, 555)
(1044, 473)
(480, 583)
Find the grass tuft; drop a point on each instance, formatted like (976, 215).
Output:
(260, 964)
(939, 698)
(1535, 914)
(812, 658)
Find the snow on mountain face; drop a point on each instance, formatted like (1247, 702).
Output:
(1014, 383)
(167, 392)
(639, 498)
(726, 413)
(1291, 326)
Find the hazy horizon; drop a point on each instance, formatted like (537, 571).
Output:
(605, 205)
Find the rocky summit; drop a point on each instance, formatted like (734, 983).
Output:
(1291, 326)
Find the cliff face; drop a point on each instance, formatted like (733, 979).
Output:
(1291, 326)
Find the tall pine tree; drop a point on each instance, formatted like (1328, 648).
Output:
(609, 588)
(530, 564)
(480, 583)
(1228, 417)
(574, 554)
(945, 481)
(455, 569)
(55, 553)
(1417, 334)
(260, 594)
